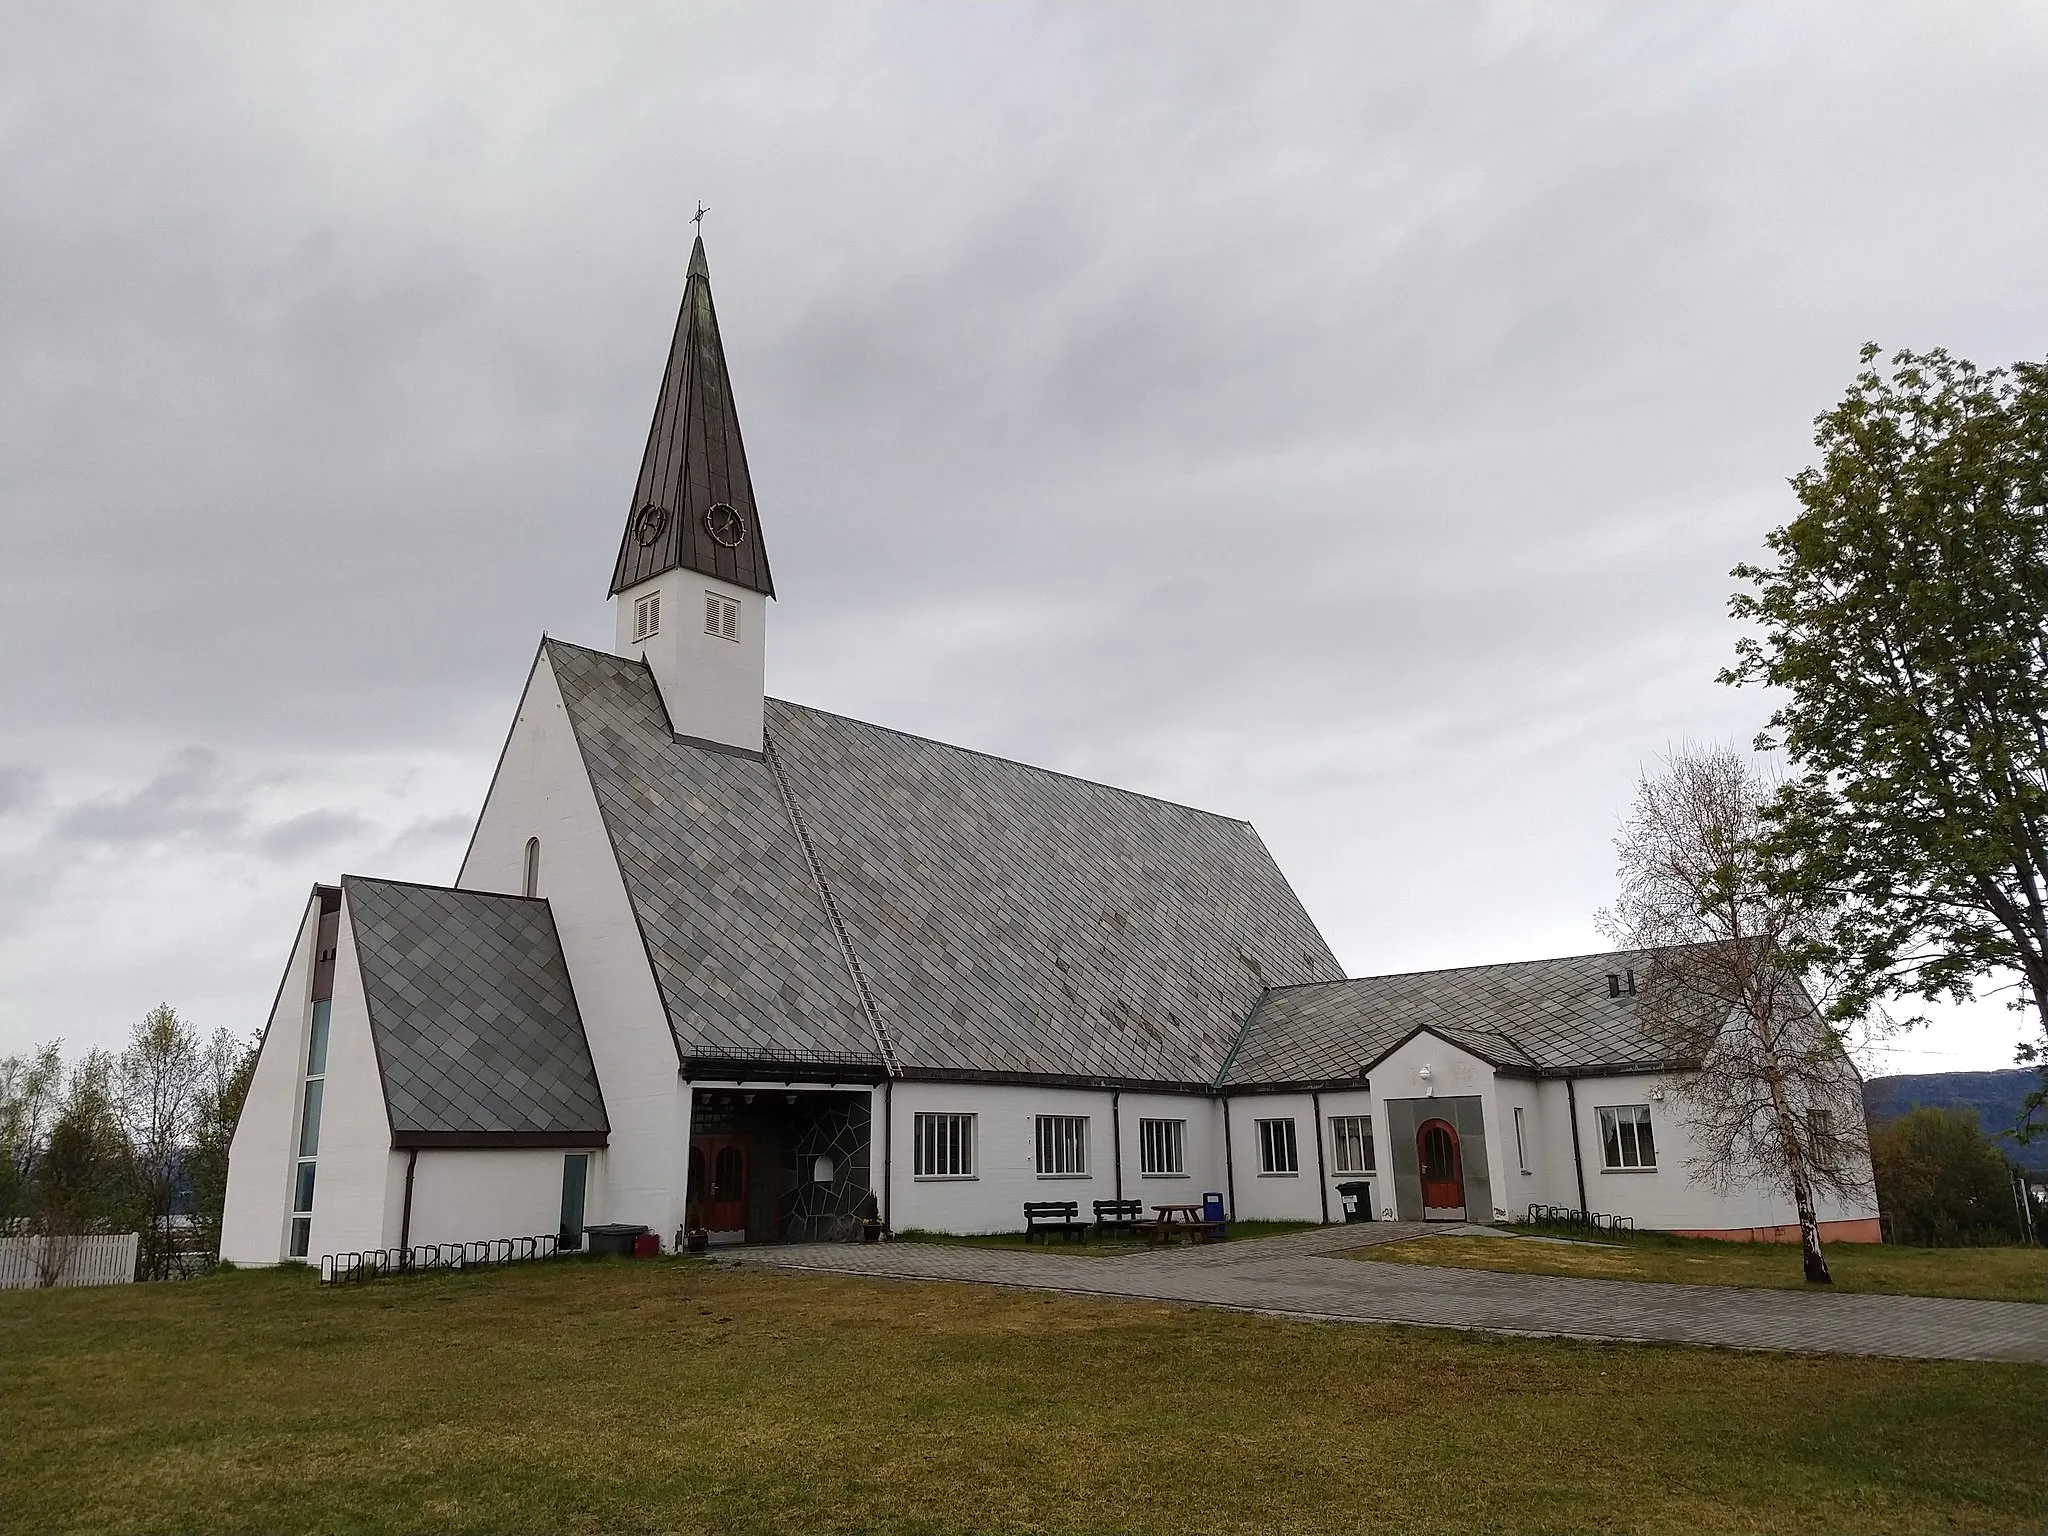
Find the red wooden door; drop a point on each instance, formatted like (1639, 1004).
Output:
(1443, 1170)
(725, 1175)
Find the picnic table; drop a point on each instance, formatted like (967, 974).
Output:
(1176, 1219)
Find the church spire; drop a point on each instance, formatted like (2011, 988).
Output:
(693, 506)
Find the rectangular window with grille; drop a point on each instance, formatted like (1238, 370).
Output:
(1062, 1146)
(1625, 1140)
(1162, 1147)
(1351, 1143)
(1276, 1147)
(646, 615)
(721, 617)
(942, 1146)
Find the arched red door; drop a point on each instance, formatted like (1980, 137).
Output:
(1443, 1171)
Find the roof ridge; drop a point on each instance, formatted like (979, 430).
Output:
(1453, 970)
(1014, 762)
(451, 890)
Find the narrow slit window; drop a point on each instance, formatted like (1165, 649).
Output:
(309, 1120)
(1521, 1141)
(316, 1050)
(530, 878)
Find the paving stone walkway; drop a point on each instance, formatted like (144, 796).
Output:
(1296, 1275)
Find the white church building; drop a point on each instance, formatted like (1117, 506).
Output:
(719, 960)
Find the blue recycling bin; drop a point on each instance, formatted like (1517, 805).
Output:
(1212, 1206)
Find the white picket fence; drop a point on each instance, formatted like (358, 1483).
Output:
(91, 1260)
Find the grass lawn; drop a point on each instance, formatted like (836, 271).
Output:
(1992, 1274)
(678, 1396)
(1095, 1247)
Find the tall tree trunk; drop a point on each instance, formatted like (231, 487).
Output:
(1809, 1231)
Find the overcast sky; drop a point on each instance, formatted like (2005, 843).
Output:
(1343, 417)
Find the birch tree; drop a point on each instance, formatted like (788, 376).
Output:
(1765, 1075)
(156, 1083)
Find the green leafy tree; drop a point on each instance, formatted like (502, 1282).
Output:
(1767, 1085)
(31, 1093)
(1941, 1181)
(156, 1082)
(226, 1067)
(1906, 621)
(80, 1184)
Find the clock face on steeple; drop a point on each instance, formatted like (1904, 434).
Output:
(648, 525)
(725, 524)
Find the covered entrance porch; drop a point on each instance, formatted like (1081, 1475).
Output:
(783, 1164)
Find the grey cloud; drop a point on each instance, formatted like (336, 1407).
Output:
(192, 796)
(20, 787)
(311, 831)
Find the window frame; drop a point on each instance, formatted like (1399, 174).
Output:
(646, 617)
(1349, 1132)
(718, 608)
(923, 1146)
(1162, 1141)
(1272, 1141)
(1060, 1140)
(1614, 1155)
(1521, 1141)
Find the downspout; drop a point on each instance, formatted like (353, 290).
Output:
(1116, 1137)
(888, 1147)
(1229, 1163)
(1571, 1098)
(412, 1161)
(1322, 1173)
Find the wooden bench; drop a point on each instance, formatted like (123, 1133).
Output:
(1125, 1217)
(1049, 1216)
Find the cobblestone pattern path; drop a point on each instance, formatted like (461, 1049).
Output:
(1296, 1276)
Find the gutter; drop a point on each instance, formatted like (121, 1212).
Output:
(1571, 1098)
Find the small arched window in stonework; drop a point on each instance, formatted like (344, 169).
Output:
(532, 881)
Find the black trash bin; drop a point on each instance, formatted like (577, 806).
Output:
(1357, 1201)
(613, 1237)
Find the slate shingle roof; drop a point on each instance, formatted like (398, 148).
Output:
(472, 1012)
(1008, 920)
(1535, 1016)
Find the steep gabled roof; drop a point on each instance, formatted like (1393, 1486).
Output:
(1005, 920)
(473, 1016)
(1532, 1017)
(742, 949)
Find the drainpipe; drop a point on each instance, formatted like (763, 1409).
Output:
(1571, 1098)
(1229, 1165)
(412, 1161)
(1322, 1173)
(1116, 1138)
(888, 1147)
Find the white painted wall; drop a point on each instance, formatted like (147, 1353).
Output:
(1670, 1196)
(1006, 1175)
(542, 790)
(1453, 1073)
(465, 1195)
(1276, 1196)
(712, 686)
(353, 1191)
(260, 1156)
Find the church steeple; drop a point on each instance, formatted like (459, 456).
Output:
(693, 505)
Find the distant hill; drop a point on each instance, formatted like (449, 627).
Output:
(1995, 1096)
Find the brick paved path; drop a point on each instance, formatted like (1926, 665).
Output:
(1295, 1276)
